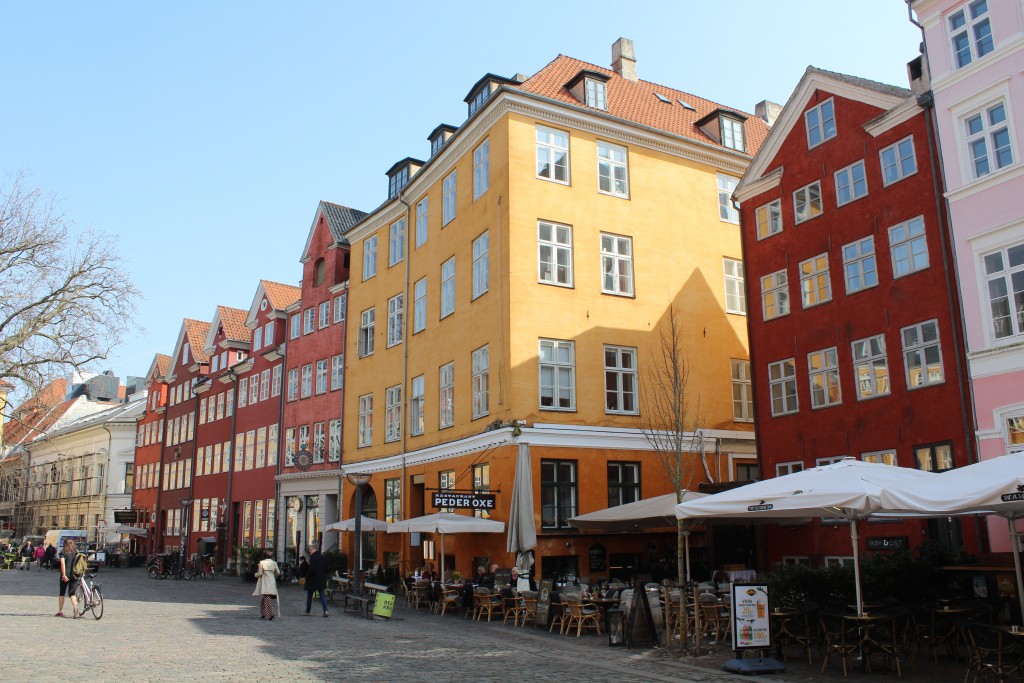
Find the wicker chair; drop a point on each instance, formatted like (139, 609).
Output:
(488, 603)
(581, 616)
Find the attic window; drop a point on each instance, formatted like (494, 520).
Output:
(663, 98)
(725, 127)
(397, 180)
(479, 98)
(436, 144)
(685, 105)
(590, 88)
(733, 135)
(596, 93)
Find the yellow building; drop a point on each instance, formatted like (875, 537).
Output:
(510, 295)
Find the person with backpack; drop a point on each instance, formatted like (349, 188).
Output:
(73, 566)
(26, 555)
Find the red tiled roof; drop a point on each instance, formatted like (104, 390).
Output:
(638, 103)
(37, 414)
(196, 331)
(280, 296)
(232, 321)
(163, 364)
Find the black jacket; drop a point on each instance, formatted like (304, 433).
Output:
(316, 579)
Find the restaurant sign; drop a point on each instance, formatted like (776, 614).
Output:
(125, 517)
(751, 622)
(887, 543)
(463, 501)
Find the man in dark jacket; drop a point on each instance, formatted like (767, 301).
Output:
(316, 579)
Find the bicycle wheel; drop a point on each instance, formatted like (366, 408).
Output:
(81, 604)
(154, 572)
(97, 603)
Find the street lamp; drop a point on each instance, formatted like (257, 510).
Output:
(359, 481)
(187, 504)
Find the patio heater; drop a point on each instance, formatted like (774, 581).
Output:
(358, 481)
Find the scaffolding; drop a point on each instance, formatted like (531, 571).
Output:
(66, 493)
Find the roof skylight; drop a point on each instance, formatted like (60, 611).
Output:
(663, 98)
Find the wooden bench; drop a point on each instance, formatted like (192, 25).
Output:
(364, 602)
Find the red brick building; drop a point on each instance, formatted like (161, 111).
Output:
(310, 485)
(855, 346)
(149, 440)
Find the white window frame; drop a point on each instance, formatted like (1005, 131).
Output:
(775, 293)
(818, 118)
(369, 257)
(784, 468)
(396, 315)
(549, 250)
(616, 264)
(621, 388)
(448, 287)
(727, 210)
(742, 390)
(309, 320)
(612, 169)
(293, 384)
(419, 306)
(815, 281)
(1002, 274)
(337, 371)
(782, 387)
(446, 395)
(322, 370)
(365, 420)
(561, 372)
(848, 180)
(908, 242)
(918, 341)
(324, 315)
(769, 219)
(823, 378)
(306, 381)
(275, 381)
(986, 137)
(481, 256)
(735, 289)
(367, 323)
(340, 303)
(965, 23)
(396, 242)
(422, 221)
(393, 413)
(895, 162)
(860, 265)
(257, 339)
(481, 168)
(867, 362)
(448, 198)
(416, 406)
(595, 93)
(886, 456)
(733, 133)
(480, 381)
(804, 196)
(295, 322)
(550, 143)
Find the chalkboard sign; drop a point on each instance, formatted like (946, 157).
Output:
(641, 629)
(502, 577)
(598, 558)
(543, 603)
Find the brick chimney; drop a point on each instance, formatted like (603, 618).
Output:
(768, 111)
(624, 59)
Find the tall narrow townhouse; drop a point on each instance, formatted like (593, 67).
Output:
(149, 439)
(975, 56)
(258, 419)
(855, 344)
(227, 346)
(310, 476)
(509, 298)
(188, 364)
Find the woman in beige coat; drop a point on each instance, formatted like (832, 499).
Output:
(266, 585)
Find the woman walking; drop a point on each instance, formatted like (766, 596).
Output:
(266, 585)
(68, 578)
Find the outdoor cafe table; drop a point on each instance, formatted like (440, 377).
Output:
(782, 616)
(603, 605)
(867, 623)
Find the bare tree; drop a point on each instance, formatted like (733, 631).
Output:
(65, 298)
(670, 418)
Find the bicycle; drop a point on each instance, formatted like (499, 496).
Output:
(89, 596)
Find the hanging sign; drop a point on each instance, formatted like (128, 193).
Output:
(463, 501)
(751, 623)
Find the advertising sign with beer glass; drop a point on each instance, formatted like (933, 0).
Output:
(751, 623)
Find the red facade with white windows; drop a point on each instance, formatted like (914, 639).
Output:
(149, 439)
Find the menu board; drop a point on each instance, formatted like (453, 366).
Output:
(751, 624)
(543, 603)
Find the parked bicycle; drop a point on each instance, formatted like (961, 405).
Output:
(163, 567)
(89, 596)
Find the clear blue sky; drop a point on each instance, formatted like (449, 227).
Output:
(201, 135)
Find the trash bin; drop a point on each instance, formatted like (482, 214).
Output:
(616, 626)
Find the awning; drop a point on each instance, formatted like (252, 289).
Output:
(131, 530)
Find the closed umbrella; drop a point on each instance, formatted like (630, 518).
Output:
(446, 523)
(522, 527)
(848, 489)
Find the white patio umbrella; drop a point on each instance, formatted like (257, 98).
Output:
(990, 487)
(365, 524)
(522, 527)
(848, 489)
(446, 523)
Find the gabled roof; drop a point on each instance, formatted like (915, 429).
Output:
(37, 414)
(232, 322)
(158, 368)
(638, 102)
(279, 296)
(124, 413)
(194, 332)
(880, 95)
(340, 220)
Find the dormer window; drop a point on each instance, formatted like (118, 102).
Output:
(726, 127)
(483, 88)
(399, 174)
(478, 100)
(439, 136)
(732, 134)
(184, 354)
(590, 88)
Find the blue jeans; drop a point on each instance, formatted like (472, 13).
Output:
(309, 600)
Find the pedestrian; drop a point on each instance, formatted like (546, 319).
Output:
(316, 579)
(303, 570)
(68, 579)
(266, 585)
(38, 556)
(26, 555)
(50, 558)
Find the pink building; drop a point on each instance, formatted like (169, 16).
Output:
(975, 56)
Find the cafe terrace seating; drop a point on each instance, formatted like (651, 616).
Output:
(840, 638)
(489, 603)
(580, 615)
(514, 607)
(992, 652)
(529, 606)
(715, 617)
(449, 598)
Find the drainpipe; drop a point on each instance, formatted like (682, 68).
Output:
(278, 507)
(341, 414)
(231, 469)
(403, 498)
(103, 493)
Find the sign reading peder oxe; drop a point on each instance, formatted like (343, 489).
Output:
(465, 501)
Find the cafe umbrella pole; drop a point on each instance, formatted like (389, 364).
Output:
(358, 481)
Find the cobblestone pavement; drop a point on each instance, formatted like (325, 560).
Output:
(210, 630)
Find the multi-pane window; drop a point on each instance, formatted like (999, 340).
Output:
(243, 392)
(446, 396)
(448, 199)
(481, 251)
(859, 267)
(552, 154)
(922, 355)
(726, 209)
(775, 295)
(887, 457)
(202, 410)
(482, 484)
(616, 264)
(557, 366)
(557, 493)
(782, 383)
(596, 93)
(620, 380)
(396, 313)
(416, 406)
(934, 457)
(254, 389)
(1015, 434)
(851, 183)
(623, 483)
(365, 420)
(554, 253)
(823, 370)
(392, 500)
(742, 392)
(293, 384)
(257, 339)
(396, 242)
(295, 326)
(422, 215)
(275, 381)
(325, 315)
(481, 364)
(340, 303)
(446, 483)
(306, 387)
(769, 219)
(908, 246)
(815, 286)
(988, 140)
(448, 287)
(265, 385)
(481, 168)
(268, 333)
(612, 169)
(308, 320)
(733, 134)
(337, 371)
(784, 468)
(366, 330)
(821, 123)
(419, 306)
(369, 257)
(807, 202)
(870, 367)
(735, 292)
(970, 33)
(1004, 279)
(898, 161)
(321, 376)
(393, 413)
